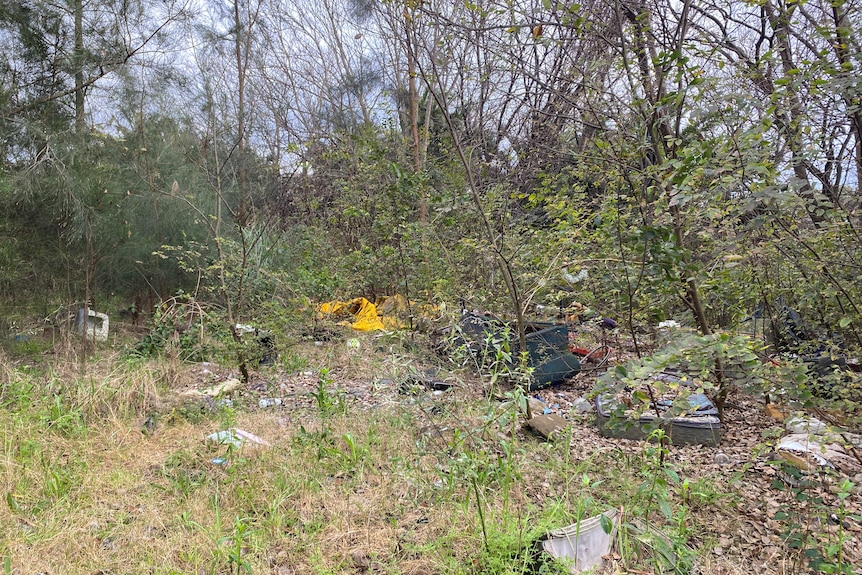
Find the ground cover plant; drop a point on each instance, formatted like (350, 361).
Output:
(109, 471)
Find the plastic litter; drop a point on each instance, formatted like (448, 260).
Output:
(817, 452)
(95, 325)
(582, 405)
(235, 437)
(584, 543)
(216, 390)
(270, 402)
(806, 425)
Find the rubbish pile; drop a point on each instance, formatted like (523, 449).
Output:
(686, 417)
(810, 446)
(549, 357)
(385, 313)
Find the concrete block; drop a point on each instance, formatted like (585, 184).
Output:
(96, 325)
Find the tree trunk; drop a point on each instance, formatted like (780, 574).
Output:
(78, 63)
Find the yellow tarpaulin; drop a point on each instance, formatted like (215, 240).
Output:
(388, 312)
(362, 312)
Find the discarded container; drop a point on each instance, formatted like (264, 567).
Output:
(96, 324)
(699, 425)
(585, 543)
(549, 372)
(547, 346)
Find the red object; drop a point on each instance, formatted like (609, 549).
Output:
(595, 354)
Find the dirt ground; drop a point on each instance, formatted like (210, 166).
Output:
(745, 536)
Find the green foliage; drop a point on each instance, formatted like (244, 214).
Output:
(329, 402)
(716, 364)
(186, 471)
(821, 550)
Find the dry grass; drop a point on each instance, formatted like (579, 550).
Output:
(371, 482)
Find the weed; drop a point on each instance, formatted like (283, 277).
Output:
(328, 403)
(700, 493)
(62, 417)
(185, 472)
(234, 544)
(822, 549)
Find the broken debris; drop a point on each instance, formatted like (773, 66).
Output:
(548, 426)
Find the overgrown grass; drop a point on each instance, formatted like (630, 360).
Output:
(408, 485)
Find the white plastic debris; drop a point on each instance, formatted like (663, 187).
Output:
(95, 326)
(584, 543)
(806, 425)
(722, 459)
(216, 390)
(802, 454)
(817, 452)
(574, 278)
(582, 405)
(269, 402)
(235, 437)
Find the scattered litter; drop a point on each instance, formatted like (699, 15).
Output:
(536, 405)
(598, 355)
(387, 312)
(270, 402)
(583, 544)
(228, 386)
(235, 437)
(264, 340)
(219, 461)
(571, 278)
(243, 328)
(697, 423)
(95, 326)
(806, 425)
(817, 452)
(722, 459)
(582, 405)
(417, 382)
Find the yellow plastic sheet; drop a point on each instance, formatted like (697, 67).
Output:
(388, 312)
(360, 310)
